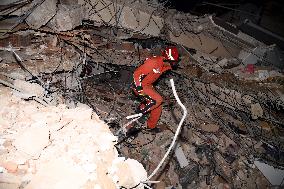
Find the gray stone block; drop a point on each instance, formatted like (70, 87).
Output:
(42, 14)
(67, 17)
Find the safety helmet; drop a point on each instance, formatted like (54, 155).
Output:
(171, 54)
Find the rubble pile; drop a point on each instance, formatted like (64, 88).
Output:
(220, 142)
(57, 55)
(57, 147)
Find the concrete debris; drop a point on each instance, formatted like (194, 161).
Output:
(67, 17)
(53, 145)
(78, 59)
(30, 89)
(33, 140)
(43, 12)
(58, 174)
(263, 75)
(132, 167)
(11, 167)
(173, 176)
(209, 127)
(275, 176)
(181, 157)
(188, 175)
(256, 111)
(125, 16)
(252, 57)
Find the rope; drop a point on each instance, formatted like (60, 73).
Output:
(176, 134)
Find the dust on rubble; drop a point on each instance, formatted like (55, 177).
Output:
(57, 147)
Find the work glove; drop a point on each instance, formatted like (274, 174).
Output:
(138, 111)
(139, 89)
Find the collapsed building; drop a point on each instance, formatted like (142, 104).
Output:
(66, 71)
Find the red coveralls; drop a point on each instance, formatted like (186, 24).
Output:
(145, 76)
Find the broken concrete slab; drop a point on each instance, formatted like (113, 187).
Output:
(71, 157)
(33, 140)
(122, 15)
(67, 17)
(213, 46)
(82, 113)
(183, 162)
(256, 111)
(9, 186)
(10, 179)
(252, 57)
(58, 174)
(133, 167)
(274, 175)
(42, 14)
(31, 89)
(188, 174)
(10, 166)
(148, 24)
(212, 128)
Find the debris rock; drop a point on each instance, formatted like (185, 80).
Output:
(129, 17)
(11, 167)
(58, 174)
(33, 140)
(275, 176)
(132, 167)
(73, 150)
(32, 89)
(42, 14)
(212, 128)
(256, 111)
(183, 162)
(10, 179)
(9, 186)
(263, 75)
(188, 174)
(67, 17)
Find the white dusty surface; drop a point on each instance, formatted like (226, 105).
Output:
(56, 147)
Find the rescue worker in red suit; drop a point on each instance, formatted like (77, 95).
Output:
(145, 76)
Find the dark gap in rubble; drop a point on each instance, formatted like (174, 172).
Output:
(150, 43)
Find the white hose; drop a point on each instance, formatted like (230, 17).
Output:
(176, 133)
